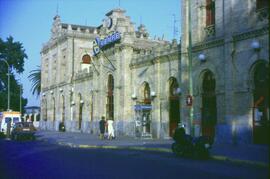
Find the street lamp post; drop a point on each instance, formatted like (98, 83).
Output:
(20, 96)
(8, 74)
(190, 66)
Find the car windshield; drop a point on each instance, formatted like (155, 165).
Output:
(7, 119)
(16, 119)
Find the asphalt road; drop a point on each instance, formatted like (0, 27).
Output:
(37, 159)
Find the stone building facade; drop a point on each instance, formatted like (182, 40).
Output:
(111, 70)
(230, 69)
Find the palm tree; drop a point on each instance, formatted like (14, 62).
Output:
(35, 78)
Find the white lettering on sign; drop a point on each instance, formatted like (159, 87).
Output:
(100, 43)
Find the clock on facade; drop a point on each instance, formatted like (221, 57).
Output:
(108, 22)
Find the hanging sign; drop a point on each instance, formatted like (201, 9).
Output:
(189, 100)
(142, 107)
(99, 43)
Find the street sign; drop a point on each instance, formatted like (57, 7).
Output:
(142, 107)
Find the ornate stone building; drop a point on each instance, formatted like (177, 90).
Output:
(230, 69)
(111, 70)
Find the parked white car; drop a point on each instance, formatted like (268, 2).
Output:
(5, 117)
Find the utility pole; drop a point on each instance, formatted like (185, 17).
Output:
(8, 74)
(190, 67)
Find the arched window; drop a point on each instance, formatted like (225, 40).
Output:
(53, 109)
(209, 107)
(80, 110)
(86, 59)
(173, 85)
(146, 93)
(210, 12)
(261, 104)
(174, 106)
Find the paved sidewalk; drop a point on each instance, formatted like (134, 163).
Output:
(257, 155)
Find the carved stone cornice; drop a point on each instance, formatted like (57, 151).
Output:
(83, 76)
(209, 44)
(251, 34)
(152, 59)
(62, 84)
(63, 37)
(53, 43)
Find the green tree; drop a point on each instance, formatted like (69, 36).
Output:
(14, 54)
(35, 78)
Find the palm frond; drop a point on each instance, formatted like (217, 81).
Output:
(35, 78)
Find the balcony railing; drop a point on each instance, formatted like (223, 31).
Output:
(210, 30)
(263, 13)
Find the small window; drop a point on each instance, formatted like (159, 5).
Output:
(210, 12)
(8, 119)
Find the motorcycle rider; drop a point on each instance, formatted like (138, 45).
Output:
(180, 136)
(186, 145)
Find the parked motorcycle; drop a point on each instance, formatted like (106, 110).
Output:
(187, 146)
(62, 127)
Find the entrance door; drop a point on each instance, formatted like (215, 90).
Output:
(174, 106)
(110, 98)
(261, 104)
(174, 115)
(80, 116)
(63, 109)
(209, 110)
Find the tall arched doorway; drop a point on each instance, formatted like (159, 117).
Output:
(261, 104)
(80, 111)
(209, 108)
(110, 98)
(91, 106)
(174, 107)
(63, 108)
(53, 115)
(44, 110)
(146, 112)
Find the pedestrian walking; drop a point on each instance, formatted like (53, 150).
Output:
(102, 127)
(110, 129)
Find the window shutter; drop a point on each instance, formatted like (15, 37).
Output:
(210, 12)
(262, 4)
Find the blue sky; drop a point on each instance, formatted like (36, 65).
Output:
(30, 21)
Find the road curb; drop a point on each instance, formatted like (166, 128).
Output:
(113, 147)
(239, 161)
(165, 150)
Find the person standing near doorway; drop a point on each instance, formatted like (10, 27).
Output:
(110, 129)
(102, 127)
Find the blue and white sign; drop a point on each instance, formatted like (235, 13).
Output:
(142, 107)
(100, 43)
